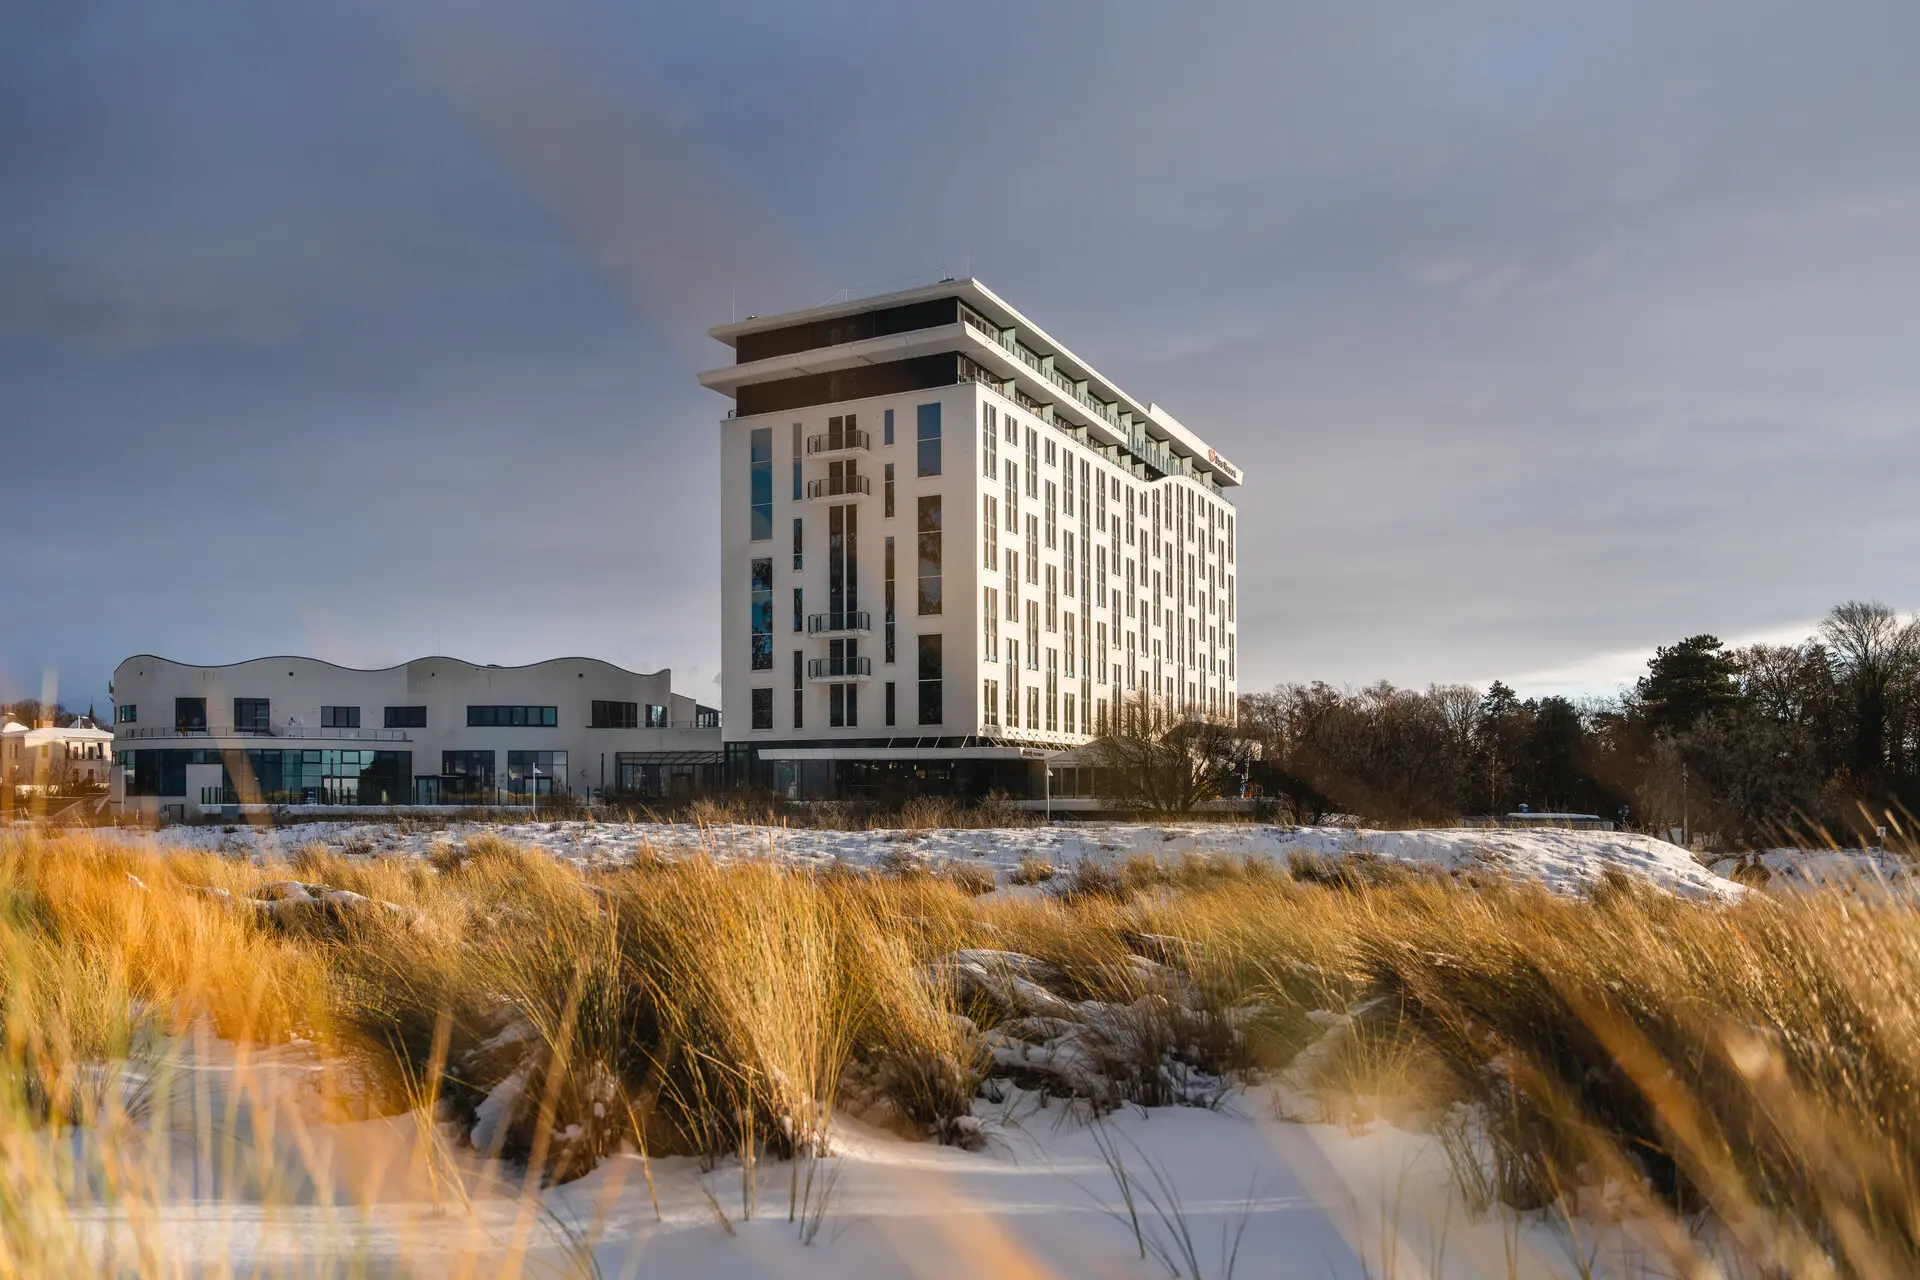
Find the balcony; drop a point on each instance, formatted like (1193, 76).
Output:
(840, 670)
(835, 443)
(149, 733)
(839, 489)
(853, 623)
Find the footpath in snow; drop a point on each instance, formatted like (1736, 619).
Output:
(1562, 860)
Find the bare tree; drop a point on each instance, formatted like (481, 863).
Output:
(1874, 655)
(1164, 762)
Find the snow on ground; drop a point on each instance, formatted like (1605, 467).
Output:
(1561, 859)
(257, 1179)
(1808, 869)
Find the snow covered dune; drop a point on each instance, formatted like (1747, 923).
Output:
(1562, 860)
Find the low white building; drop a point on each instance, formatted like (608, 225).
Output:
(298, 731)
(53, 758)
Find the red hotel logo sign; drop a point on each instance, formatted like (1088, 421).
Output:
(1223, 464)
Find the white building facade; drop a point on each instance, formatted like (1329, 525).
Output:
(950, 546)
(436, 731)
(46, 757)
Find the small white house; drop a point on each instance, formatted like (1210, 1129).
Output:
(47, 757)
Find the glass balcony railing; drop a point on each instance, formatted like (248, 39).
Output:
(839, 487)
(827, 624)
(839, 668)
(839, 442)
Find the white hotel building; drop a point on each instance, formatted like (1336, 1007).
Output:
(950, 547)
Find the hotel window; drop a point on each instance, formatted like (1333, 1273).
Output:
(1229, 539)
(536, 772)
(1012, 578)
(798, 609)
(989, 532)
(1053, 599)
(467, 773)
(1011, 500)
(989, 444)
(760, 614)
(889, 703)
(1012, 425)
(797, 544)
(1033, 706)
(1033, 463)
(1053, 536)
(762, 708)
(797, 455)
(1229, 597)
(760, 483)
(928, 428)
(657, 715)
(888, 589)
(1053, 691)
(1068, 632)
(1066, 559)
(249, 715)
(887, 489)
(406, 717)
(1129, 517)
(931, 710)
(990, 620)
(886, 427)
(929, 531)
(1033, 635)
(127, 714)
(990, 701)
(1033, 549)
(1066, 482)
(1050, 453)
(1100, 507)
(1130, 586)
(799, 689)
(504, 717)
(614, 715)
(339, 717)
(843, 700)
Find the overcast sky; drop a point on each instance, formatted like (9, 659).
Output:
(1544, 334)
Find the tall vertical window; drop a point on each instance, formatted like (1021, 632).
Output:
(1053, 516)
(886, 427)
(928, 431)
(760, 483)
(887, 490)
(929, 530)
(798, 609)
(931, 709)
(796, 544)
(1013, 585)
(760, 615)
(889, 701)
(1011, 497)
(1066, 482)
(888, 624)
(762, 708)
(1066, 563)
(1053, 599)
(1033, 549)
(797, 454)
(989, 444)
(1053, 691)
(990, 620)
(989, 532)
(1033, 463)
(1068, 620)
(990, 701)
(1033, 635)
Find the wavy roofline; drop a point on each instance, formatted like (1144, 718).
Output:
(430, 657)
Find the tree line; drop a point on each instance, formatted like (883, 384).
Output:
(1755, 745)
